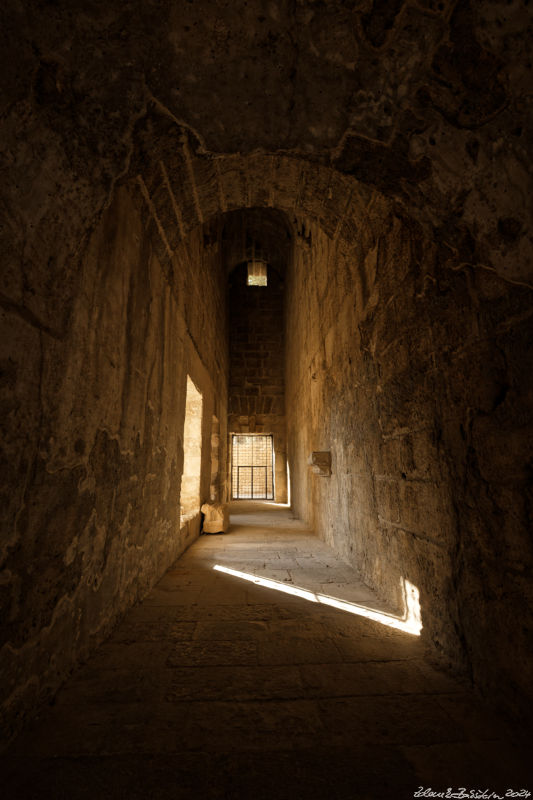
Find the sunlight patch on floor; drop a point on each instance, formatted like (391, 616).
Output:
(409, 622)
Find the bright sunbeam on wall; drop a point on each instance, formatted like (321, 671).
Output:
(409, 622)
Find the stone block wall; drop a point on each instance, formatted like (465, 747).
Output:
(408, 371)
(92, 442)
(379, 327)
(256, 365)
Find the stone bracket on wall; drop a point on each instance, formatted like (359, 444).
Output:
(321, 463)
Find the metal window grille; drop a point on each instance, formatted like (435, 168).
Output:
(252, 468)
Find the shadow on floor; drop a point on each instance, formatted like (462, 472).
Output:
(216, 687)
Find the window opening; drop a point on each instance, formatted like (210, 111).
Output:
(257, 273)
(252, 467)
(192, 453)
(215, 460)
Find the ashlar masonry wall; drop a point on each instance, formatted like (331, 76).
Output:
(408, 371)
(93, 426)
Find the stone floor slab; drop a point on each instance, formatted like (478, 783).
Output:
(215, 687)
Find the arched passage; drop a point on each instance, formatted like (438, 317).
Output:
(381, 371)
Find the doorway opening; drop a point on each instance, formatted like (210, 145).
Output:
(252, 473)
(192, 453)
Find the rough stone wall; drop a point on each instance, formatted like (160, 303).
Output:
(242, 106)
(256, 381)
(428, 102)
(411, 373)
(92, 450)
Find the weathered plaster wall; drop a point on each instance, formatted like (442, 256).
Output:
(411, 374)
(256, 382)
(92, 450)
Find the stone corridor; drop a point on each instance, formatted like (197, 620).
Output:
(217, 687)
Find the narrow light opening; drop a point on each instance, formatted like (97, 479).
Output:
(214, 491)
(192, 453)
(257, 273)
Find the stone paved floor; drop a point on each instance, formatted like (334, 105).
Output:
(215, 687)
